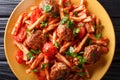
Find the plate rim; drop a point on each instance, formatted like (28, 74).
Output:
(6, 28)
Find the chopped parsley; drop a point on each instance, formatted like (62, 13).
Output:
(67, 3)
(70, 23)
(93, 55)
(98, 36)
(31, 53)
(56, 44)
(64, 20)
(75, 13)
(35, 51)
(78, 67)
(81, 52)
(43, 66)
(81, 74)
(81, 59)
(56, 14)
(35, 70)
(47, 8)
(76, 31)
(29, 32)
(67, 21)
(46, 35)
(88, 42)
(43, 24)
(81, 25)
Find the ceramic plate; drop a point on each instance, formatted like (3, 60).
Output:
(96, 72)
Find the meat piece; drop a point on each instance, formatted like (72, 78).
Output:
(36, 40)
(59, 71)
(53, 4)
(93, 53)
(64, 33)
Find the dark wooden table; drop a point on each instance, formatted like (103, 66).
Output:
(112, 7)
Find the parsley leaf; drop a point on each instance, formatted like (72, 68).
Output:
(81, 74)
(43, 66)
(78, 66)
(35, 70)
(67, 21)
(76, 31)
(34, 51)
(56, 14)
(43, 24)
(81, 59)
(67, 3)
(47, 8)
(81, 52)
(75, 13)
(81, 24)
(98, 36)
(46, 35)
(29, 32)
(56, 44)
(70, 23)
(64, 20)
(29, 55)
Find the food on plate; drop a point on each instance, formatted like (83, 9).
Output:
(57, 40)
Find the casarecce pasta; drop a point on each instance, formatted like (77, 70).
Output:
(58, 40)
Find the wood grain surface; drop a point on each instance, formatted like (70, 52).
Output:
(111, 6)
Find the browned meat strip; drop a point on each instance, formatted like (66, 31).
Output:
(59, 71)
(36, 40)
(93, 53)
(64, 33)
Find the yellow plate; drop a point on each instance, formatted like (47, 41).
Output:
(96, 72)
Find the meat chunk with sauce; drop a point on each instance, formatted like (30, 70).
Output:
(53, 5)
(36, 40)
(64, 33)
(59, 71)
(93, 53)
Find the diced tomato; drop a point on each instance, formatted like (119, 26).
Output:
(36, 13)
(21, 36)
(41, 74)
(19, 57)
(49, 49)
(82, 32)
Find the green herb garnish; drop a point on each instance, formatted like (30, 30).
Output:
(64, 20)
(81, 24)
(70, 23)
(43, 66)
(56, 44)
(47, 8)
(98, 36)
(43, 24)
(67, 3)
(35, 51)
(29, 32)
(67, 21)
(76, 31)
(78, 67)
(30, 55)
(56, 14)
(81, 59)
(35, 70)
(93, 55)
(81, 74)
(82, 52)
(46, 35)
(75, 13)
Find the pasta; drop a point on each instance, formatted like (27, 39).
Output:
(58, 40)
